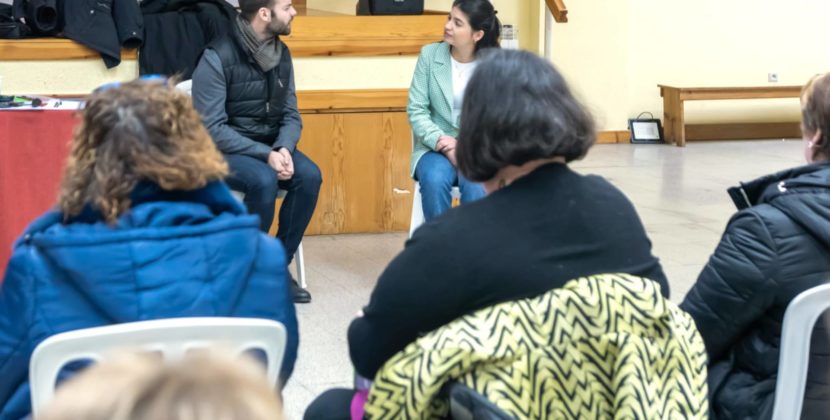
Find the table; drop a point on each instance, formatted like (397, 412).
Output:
(33, 148)
(673, 98)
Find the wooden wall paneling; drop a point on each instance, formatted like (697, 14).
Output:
(364, 158)
(377, 164)
(398, 140)
(311, 36)
(52, 49)
(363, 177)
(323, 140)
(358, 100)
(321, 134)
(315, 36)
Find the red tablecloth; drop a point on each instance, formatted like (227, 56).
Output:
(33, 148)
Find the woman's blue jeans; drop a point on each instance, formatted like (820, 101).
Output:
(437, 176)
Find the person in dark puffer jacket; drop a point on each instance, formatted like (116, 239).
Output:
(145, 229)
(774, 248)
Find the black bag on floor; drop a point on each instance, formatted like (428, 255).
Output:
(390, 7)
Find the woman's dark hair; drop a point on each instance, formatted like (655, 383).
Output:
(482, 17)
(815, 113)
(518, 108)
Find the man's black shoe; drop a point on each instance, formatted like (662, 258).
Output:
(300, 295)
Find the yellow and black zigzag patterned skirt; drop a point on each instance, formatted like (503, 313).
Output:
(605, 346)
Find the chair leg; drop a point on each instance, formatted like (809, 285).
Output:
(455, 193)
(298, 257)
(300, 265)
(417, 210)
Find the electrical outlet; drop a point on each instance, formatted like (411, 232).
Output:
(772, 77)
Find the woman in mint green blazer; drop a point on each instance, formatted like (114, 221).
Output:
(435, 98)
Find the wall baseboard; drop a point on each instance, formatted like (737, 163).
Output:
(613, 136)
(709, 132)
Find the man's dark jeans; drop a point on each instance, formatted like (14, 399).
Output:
(260, 184)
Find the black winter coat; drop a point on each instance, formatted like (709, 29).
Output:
(775, 247)
(104, 25)
(177, 32)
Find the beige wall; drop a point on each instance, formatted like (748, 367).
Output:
(61, 77)
(354, 72)
(82, 76)
(590, 50)
(615, 52)
(337, 6)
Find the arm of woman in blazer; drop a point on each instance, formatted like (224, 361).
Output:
(419, 107)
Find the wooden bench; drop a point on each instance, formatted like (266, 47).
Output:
(673, 98)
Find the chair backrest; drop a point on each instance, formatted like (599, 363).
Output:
(417, 217)
(186, 86)
(172, 338)
(239, 195)
(467, 404)
(799, 321)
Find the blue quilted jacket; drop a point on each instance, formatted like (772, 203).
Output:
(174, 254)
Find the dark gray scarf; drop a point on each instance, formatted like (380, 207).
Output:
(267, 54)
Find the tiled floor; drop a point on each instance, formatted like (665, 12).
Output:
(680, 194)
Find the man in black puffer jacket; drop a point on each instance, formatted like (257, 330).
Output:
(775, 247)
(244, 88)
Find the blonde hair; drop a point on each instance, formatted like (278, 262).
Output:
(140, 386)
(141, 130)
(815, 112)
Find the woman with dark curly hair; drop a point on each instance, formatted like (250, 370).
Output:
(541, 225)
(144, 229)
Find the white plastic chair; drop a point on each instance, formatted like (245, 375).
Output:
(173, 338)
(299, 262)
(417, 218)
(799, 321)
(186, 86)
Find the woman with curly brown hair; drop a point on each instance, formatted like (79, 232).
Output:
(144, 229)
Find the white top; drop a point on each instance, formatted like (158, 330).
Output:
(461, 73)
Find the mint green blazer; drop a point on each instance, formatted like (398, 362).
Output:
(430, 100)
